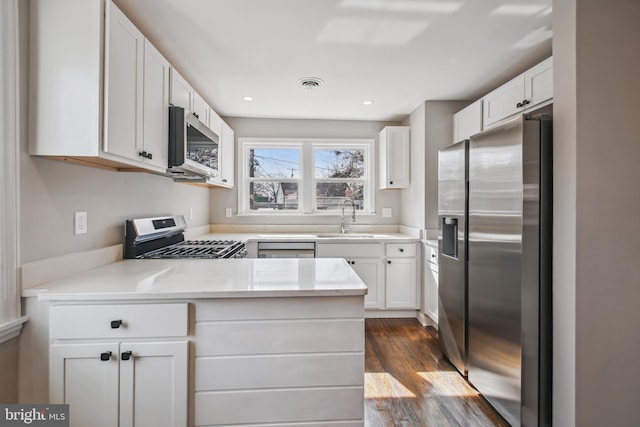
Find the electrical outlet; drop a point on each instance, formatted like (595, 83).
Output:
(387, 213)
(228, 212)
(80, 223)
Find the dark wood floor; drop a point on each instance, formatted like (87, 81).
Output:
(409, 383)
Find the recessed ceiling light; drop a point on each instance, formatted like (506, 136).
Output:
(248, 98)
(368, 102)
(310, 82)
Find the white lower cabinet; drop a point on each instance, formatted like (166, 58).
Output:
(388, 269)
(280, 362)
(431, 291)
(130, 378)
(370, 271)
(401, 284)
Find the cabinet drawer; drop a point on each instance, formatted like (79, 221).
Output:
(349, 250)
(397, 250)
(431, 254)
(138, 320)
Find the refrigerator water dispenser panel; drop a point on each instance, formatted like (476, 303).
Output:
(450, 237)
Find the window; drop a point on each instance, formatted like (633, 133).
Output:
(286, 176)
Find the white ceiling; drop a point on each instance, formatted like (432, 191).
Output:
(397, 53)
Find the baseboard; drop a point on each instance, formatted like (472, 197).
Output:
(390, 314)
(426, 320)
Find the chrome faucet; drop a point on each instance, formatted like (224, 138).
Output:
(344, 227)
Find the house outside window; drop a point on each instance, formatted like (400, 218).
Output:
(304, 176)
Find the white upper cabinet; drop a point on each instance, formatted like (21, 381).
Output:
(394, 157)
(156, 105)
(467, 121)
(124, 87)
(201, 109)
(227, 153)
(182, 94)
(528, 90)
(94, 112)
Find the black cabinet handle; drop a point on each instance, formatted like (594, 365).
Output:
(126, 355)
(115, 324)
(391, 182)
(149, 156)
(224, 179)
(433, 255)
(388, 262)
(353, 262)
(105, 356)
(401, 249)
(526, 102)
(519, 105)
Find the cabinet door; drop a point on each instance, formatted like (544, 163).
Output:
(153, 384)
(156, 106)
(228, 154)
(503, 101)
(78, 377)
(124, 91)
(369, 271)
(394, 157)
(401, 286)
(181, 93)
(201, 108)
(467, 121)
(431, 291)
(215, 122)
(538, 83)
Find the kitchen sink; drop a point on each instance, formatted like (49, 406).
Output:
(346, 235)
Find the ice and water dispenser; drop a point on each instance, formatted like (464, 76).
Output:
(450, 237)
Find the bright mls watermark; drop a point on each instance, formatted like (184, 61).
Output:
(34, 415)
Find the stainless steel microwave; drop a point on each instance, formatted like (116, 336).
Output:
(193, 147)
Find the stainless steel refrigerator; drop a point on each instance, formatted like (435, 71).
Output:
(507, 353)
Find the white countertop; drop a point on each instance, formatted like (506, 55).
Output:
(197, 278)
(315, 237)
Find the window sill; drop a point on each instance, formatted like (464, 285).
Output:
(307, 215)
(12, 329)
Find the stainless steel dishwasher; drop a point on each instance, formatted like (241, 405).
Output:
(286, 250)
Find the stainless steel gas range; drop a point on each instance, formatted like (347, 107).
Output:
(163, 237)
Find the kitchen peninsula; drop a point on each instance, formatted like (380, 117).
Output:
(205, 342)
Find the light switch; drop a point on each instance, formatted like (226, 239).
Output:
(387, 212)
(80, 223)
(228, 212)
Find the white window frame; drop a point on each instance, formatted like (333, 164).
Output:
(306, 188)
(10, 320)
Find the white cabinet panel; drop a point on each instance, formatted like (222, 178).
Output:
(156, 107)
(401, 284)
(138, 320)
(279, 406)
(153, 384)
(201, 109)
(349, 250)
(78, 377)
(181, 93)
(521, 94)
(228, 154)
(370, 271)
(124, 65)
(431, 291)
(291, 336)
(467, 121)
(394, 154)
(279, 371)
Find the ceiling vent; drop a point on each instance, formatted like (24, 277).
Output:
(310, 82)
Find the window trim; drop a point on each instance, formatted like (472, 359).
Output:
(307, 180)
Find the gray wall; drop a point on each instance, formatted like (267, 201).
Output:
(431, 130)
(51, 191)
(284, 128)
(596, 262)
(9, 371)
